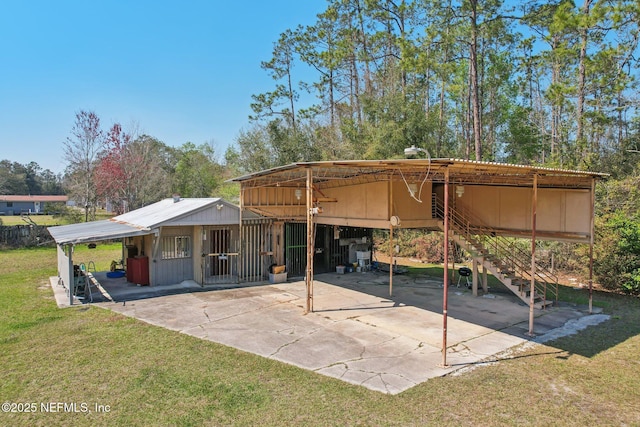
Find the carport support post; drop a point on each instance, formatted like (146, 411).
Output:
(309, 273)
(72, 280)
(485, 286)
(474, 279)
(445, 302)
(391, 251)
(391, 246)
(593, 204)
(239, 263)
(532, 287)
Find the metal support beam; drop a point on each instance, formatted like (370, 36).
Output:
(593, 203)
(485, 285)
(391, 246)
(72, 281)
(309, 271)
(474, 278)
(240, 236)
(532, 289)
(445, 301)
(391, 251)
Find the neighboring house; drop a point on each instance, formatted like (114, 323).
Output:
(178, 239)
(36, 204)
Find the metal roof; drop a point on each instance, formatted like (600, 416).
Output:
(138, 222)
(165, 210)
(93, 231)
(350, 172)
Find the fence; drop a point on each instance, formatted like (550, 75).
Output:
(24, 235)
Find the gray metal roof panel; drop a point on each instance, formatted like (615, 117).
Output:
(165, 210)
(93, 231)
(138, 222)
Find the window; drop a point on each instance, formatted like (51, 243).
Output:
(9, 204)
(175, 247)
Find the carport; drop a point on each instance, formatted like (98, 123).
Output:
(476, 204)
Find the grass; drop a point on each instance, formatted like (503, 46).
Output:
(152, 376)
(47, 220)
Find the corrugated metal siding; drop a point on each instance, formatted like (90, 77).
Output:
(171, 271)
(227, 214)
(65, 268)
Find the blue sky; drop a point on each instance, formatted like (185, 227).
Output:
(181, 70)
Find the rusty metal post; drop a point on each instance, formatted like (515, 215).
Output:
(445, 301)
(485, 286)
(391, 246)
(532, 289)
(309, 269)
(239, 261)
(474, 277)
(593, 204)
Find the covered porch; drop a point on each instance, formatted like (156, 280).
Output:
(470, 202)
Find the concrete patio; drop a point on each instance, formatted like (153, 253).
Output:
(357, 333)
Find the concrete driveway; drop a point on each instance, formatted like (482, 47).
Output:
(357, 333)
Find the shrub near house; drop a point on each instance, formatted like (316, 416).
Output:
(617, 260)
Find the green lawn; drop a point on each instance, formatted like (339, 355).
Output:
(148, 376)
(38, 219)
(48, 220)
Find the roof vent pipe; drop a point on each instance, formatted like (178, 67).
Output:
(176, 198)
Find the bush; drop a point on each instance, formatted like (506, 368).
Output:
(70, 214)
(415, 243)
(429, 247)
(617, 255)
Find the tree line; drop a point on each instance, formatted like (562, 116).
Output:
(551, 83)
(25, 179)
(544, 82)
(130, 171)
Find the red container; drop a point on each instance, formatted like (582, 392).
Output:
(138, 270)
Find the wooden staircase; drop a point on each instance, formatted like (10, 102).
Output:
(501, 256)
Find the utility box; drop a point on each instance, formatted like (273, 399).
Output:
(277, 277)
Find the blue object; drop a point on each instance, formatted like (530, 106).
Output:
(115, 274)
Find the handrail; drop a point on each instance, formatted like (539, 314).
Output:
(510, 255)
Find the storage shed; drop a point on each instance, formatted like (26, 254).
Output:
(177, 239)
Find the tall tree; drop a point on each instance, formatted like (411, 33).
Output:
(80, 152)
(197, 172)
(280, 67)
(115, 169)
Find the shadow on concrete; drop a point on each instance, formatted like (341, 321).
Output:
(357, 332)
(497, 310)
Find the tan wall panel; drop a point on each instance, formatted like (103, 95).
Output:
(365, 201)
(578, 211)
(408, 208)
(482, 201)
(339, 208)
(558, 210)
(515, 208)
(550, 210)
(377, 197)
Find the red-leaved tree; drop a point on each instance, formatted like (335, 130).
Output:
(114, 173)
